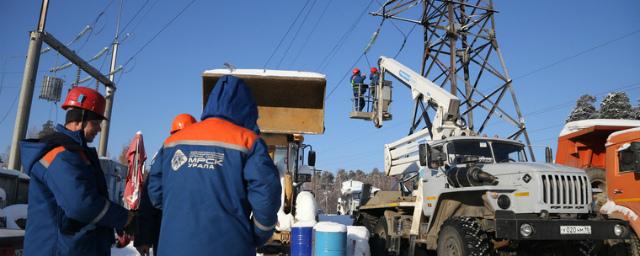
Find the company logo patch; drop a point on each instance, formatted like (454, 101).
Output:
(178, 160)
(205, 159)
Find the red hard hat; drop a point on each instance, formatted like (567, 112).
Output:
(356, 71)
(374, 70)
(85, 98)
(181, 121)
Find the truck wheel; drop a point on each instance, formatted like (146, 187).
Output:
(379, 238)
(463, 236)
(633, 245)
(598, 178)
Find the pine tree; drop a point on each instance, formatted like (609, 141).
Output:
(585, 109)
(47, 128)
(616, 105)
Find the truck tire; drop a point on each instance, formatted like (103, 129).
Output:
(379, 238)
(598, 178)
(463, 236)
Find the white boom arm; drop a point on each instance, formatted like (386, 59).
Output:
(402, 156)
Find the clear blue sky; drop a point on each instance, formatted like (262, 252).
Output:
(164, 78)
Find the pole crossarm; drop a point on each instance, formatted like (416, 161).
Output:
(77, 60)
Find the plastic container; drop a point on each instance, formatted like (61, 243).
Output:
(301, 239)
(330, 239)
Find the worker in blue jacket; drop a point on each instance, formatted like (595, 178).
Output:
(218, 189)
(149, 218)
(359, 89)
(69, 211)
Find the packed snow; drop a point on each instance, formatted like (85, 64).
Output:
(265, 72)
(306, 207)
(611, 207)
(329, 227)
(358, 241)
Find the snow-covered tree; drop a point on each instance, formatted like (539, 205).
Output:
(616, 105)
(585, 109)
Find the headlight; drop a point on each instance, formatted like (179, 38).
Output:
(526, 230)
(618, 230)
(504, 202)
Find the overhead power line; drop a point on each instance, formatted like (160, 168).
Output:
(295, 35)
(577, 54)
(158, 33)
(285, 34)
(313, 30)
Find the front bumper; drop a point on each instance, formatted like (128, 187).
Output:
(508, 227)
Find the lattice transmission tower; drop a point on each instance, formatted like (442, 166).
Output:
(461, 54)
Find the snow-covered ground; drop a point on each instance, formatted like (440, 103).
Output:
(126, 251)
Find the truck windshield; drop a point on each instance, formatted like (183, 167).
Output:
(508, 152)
(460, 149)
(502, 151)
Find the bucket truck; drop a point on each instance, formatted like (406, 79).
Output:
(463, 194)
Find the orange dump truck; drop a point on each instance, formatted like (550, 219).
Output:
(609, 150)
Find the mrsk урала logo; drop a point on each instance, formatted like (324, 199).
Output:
(205, 160)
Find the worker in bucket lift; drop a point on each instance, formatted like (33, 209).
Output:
(373, 80)
(359, 89)
(218, 189)
(69, 209)
(149, 218)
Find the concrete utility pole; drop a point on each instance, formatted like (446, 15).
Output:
(26, 91)
(109, 93)
(29, 77)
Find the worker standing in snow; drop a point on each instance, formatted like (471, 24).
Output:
(149, 218)
(359, 89)
(218, 189)
(69, 209)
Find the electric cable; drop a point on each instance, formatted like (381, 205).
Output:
(315, 26)
(157, 34)
(295, 35)
(285, 34)
(334, 51)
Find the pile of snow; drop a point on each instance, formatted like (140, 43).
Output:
(13, 213)
(285, 220)
(129, 250)
(306, 207)
(611, 207)
(329, 227)
(358, 241)
(354, 186)
(622, 132)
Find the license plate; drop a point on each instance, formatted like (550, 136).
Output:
(575, 230)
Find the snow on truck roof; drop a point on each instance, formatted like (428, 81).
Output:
(622, 132)
(574, 126)
(265, 72)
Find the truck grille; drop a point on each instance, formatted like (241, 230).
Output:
(565, 189)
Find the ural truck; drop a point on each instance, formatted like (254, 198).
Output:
(290, 105)
(473, 195)
(609, 151)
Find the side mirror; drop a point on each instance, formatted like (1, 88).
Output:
(548, 155)
(311, 159)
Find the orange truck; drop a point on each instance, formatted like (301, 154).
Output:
(609, 150)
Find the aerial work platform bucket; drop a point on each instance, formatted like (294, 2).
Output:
(372, 102)
(289, 102)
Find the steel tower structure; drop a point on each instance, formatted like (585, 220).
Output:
(461, 53)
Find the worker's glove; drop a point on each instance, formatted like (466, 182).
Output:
(130, 226)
